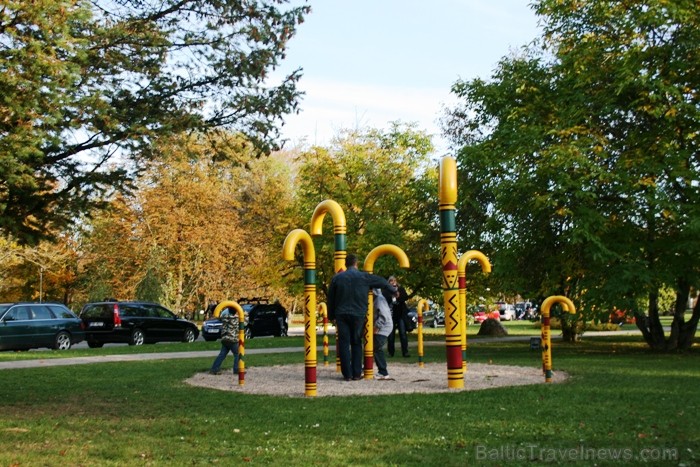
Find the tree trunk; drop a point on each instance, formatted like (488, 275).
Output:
(650, 325)
(682, 333)
(571, 328)
(687, 330)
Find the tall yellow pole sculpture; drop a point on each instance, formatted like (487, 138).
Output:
(448, 254)
(323, 310)
(339, 230)
(422, 306)
(401, 257)
(241, 335)
(569, 307)
(462, 274)
(293, 238)
(340, 251)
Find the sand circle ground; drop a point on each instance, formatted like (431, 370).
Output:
(288, 380)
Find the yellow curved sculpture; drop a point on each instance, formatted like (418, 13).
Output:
(567, 306)
(295, 237)
(339, 229)
(462, 275)
(448, 255)
(422, 306)
(339, 239)
(241, 335)
(372, 256)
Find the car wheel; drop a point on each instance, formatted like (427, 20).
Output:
(95, 345)
(137, 337)
(284, 332)
(62, 341)
(248, 333)
(189, 336)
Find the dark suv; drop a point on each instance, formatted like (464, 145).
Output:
(262, 319)
(135, 323)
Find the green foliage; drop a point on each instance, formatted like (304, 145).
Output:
(387, 188)
(201, 227)
(88, 86)
(582, 156)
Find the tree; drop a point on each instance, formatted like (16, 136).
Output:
(45, 272)
(587, 158)
(200, 228)
(387, 187)
(88, 86)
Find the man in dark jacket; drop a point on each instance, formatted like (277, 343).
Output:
(399, 314)
(347, 306)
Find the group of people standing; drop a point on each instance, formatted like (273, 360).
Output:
(347, 306)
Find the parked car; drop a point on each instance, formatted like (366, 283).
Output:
(621, 317)
(439, 318)
(134, 323)
(262, 318)
(25, 326)
(481, 314)
(506, 311)
(431, 318)
(412, 321)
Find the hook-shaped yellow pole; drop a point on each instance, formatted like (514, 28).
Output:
(299, 236)
(462, 275)
(241, 335)
(339, 229)
(568, 306)
(340, 248)
(368, 265)
(422, 306)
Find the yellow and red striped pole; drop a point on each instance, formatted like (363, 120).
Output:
(340, 248)
(401, 257)
(568, 306)
(241, 335)
(450, 287)
(293, 238)
(462, 273)
(323, 310)
(422, 305)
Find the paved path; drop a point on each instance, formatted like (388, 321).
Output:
(49, 362)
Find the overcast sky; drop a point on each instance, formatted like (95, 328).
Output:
(369, 62)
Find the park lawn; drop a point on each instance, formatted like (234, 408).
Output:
(621, 401)
(125, 349)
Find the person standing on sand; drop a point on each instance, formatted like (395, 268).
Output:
(347, 306)
(399, 314)
(229, 340)
(383, 326)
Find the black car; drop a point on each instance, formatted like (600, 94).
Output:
(134, 323)
(431, 318)
(26, 326)
(262, 318)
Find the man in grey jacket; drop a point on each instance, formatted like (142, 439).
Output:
(383, 326)
(347, 306)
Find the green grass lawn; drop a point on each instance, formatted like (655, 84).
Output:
(621, 400)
